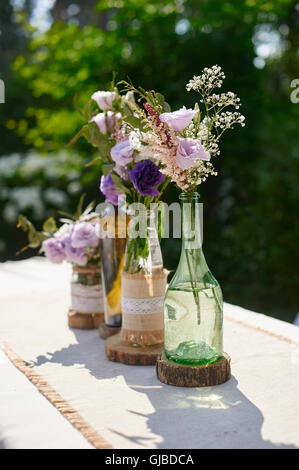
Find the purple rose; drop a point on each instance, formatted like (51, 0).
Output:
(122, 153)
(104, 119)
(54, 250)
(145, 176)
(75, 255)
(109, 190)
(188, 151)
(178, 120)
(122, 171)
(104, 99)
(84, 235)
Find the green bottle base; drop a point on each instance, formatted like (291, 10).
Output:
(193, 353)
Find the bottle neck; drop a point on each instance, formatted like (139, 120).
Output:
(191, 254)
(191, 221)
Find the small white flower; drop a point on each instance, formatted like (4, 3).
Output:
(104, 99)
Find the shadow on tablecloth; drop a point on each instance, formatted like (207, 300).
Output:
(210, 417)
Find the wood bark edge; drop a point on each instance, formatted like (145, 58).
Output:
(118, 350)
(84, 321)
(105, 330)
(181, 375)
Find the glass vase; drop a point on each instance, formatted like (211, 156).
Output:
(143, 283)
(87, 294)
(193, 312)
(112, 250)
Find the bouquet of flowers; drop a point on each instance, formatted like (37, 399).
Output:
(76, 240)
(124, 171)
(183, 142)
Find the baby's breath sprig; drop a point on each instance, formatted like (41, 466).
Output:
(210, 78)
(216, 121)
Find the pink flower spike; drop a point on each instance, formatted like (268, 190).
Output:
(151, 112)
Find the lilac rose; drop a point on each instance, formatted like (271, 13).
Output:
(75, 255)
(103, 120)
(104, 99)
(54, 250)
(122, 153)
(84, 235)
(145, 176)
(109, 190)
(188, 151)
(122, 171)
(178, 120)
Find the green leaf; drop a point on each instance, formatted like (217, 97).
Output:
(151, 98)
(80, 206)
(49, 226)
(127, 110)
(66, 214)
(35, 238)
(166, 107)
(99, 140)
(119, 184)
(82, 132)
(161, 100)
(134, 121)
(161, 216)
(197, 116)
(107, 167)
(24, 223)
(88, 110)
(94, 161)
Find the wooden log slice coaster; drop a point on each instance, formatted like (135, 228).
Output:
(181, 375)
(118, 350)
(105, 330)
(84, 321)
(97, 319)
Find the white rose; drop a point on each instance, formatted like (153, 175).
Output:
(104, 99)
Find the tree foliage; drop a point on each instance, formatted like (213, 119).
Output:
(250, 208)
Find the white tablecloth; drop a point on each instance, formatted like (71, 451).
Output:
(126, 405)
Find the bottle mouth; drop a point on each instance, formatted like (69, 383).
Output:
(189, 196)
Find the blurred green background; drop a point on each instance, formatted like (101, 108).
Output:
(51, 51)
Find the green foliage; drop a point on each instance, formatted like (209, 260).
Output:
(49, 227)
(38, 187)
(251, 227)
(35, 238)
(119, 184)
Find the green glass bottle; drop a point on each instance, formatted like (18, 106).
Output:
(193, 307)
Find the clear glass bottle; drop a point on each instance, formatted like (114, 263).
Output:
(193, 307)
(86, 288)
(112, 251)
(143, 253)
(143, 283)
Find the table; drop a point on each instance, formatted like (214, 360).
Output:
(123, 406)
